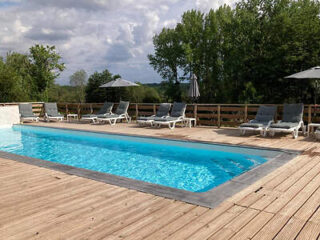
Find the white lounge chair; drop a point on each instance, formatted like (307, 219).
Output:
(121, 113)
(262, 121)
(51, 112)
(177, 115)
(292, 120)
(26, 113)
(162, 112)
(105, 110)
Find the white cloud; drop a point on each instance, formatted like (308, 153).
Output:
(94, 34)
(206, 5)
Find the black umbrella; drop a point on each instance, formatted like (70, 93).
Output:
(312, 73)
(119, 83)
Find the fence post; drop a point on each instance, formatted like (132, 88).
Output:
(79, 110)
(195, 111)
(245, 113)
(137, 110)
(154, 109)
(67, 110)
(309, 114)
(219, 116)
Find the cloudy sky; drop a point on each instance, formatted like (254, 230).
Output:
(94, 34)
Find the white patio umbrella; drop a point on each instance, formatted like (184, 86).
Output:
(312, 73)
(119, 83)
(194, 88)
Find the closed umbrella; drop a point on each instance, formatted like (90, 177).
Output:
(119, 83)
(312, 73)
(194, 88)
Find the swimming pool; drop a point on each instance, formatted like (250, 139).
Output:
(189, 166)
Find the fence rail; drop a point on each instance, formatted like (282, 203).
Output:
(206, 114)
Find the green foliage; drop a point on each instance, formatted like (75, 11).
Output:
(57, 93)
(10, 85)
(242, 54)
(45, 68)
(94, 93)
(79, 81)
(27, 77)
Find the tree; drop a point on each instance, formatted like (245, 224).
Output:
(21, 65)
(242, 54)
(166, 59)
(79, 81)
(10, 87)
(45, 68)
(93, 91)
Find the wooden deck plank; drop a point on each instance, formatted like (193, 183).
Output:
(213, 226)
(272, 228)
(99, 230)
(311, 231)
(279, 203)
(156, 222)
(98, 214)
(291, 229)
(235, 225)
(68, 214)
(203, 220)
(176, 225)
(251, 229)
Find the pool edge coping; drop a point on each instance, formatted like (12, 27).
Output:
(210, 199)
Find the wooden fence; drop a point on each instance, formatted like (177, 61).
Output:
(206, 114)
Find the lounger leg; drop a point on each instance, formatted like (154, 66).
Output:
(272, 133)
(264, 132)
(295, 133)
(242, 132)
(173, 125)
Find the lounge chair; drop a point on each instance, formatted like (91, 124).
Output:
(105, 110)
(51, 112)
(291, 120)
(26, 113)
(121, 113)
(177, 115)
(162, 112)
(262, 121)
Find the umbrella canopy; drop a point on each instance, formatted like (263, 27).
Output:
(119, 82)
(194, 87)
(310, 73)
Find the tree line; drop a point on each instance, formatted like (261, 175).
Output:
(31, 77)
(28, 77)
(242, 54)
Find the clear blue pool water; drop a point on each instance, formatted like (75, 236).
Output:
(193, 167)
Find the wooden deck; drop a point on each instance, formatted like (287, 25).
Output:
(38, 203)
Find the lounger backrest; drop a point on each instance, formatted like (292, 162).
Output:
(106, 108)
(25, 110)
(122, 108)
(266, 113)
(178, 109)
(51, 109)
(292, 112)
(163, 110)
